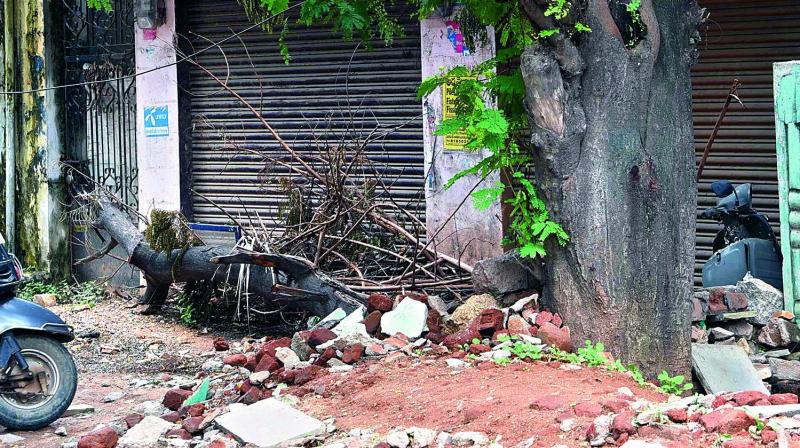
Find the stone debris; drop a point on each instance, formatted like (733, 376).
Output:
(78, 409)
(146, 433)
(409, 318)
(269, 423)
(724, 368)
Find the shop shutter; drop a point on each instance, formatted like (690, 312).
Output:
(304, 101)
(742, 39)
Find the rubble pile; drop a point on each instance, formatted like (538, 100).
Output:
(251, 372)
(750, 315)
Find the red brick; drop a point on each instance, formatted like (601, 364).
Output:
(749, 397)
(783, 399)
(268, 348)
(319, 336)
(221, 345)
(543, 317)
(236, 360)
(267, 363)
(727, 420)
(352, 354)
(373, 321)
(102, 438)
(379, 302)
(174, 398)
(558, 337)
(490, 320)
(678, 415)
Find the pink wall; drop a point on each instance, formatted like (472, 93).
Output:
(471, 234)
(158, 157)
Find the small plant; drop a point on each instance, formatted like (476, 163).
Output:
(35, 287)
(525, 350)
(673, 385)
(187, 310)
(557, 354)
(593, 355)
(636, 374)
(502, 361)
(616, 366)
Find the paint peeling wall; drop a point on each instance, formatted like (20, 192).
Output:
(32, 125)
(158, 151)
(471, 235)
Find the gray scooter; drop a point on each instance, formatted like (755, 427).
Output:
(38, 378)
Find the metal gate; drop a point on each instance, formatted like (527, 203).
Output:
(100, 124)
(100, 120)
(332, 90)
(741, 39)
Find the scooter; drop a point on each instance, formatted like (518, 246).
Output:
(38, 378)
(746, 242)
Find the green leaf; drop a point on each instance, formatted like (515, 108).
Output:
(549, 32)
(484, 198)
(493, 121)
(451, 126)
(581, 28)
(532, 250)
(200, 394)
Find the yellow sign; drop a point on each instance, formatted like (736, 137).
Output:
(459, 140)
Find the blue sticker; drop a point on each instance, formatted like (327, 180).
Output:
(156, 121)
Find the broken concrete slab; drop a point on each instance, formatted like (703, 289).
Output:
(146, 433)
(773, 410)
(78, 409)
(784, 370)
(726, 317)
(352, 323)
(779, 333)
(409, 317)
(332, 319)
(269, 423)
(725, 368)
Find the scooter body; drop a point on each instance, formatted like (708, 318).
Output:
(746, 242)
(38, 378)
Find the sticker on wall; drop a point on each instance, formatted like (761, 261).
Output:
(459, 140)
(156, 121)
(456, 38)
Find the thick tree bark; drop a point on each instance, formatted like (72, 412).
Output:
(615, 162)
(303, 286)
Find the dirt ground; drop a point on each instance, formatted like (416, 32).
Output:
(143, 356)
(133, 354)
(498, 401)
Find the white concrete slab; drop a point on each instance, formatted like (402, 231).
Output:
(269, 423)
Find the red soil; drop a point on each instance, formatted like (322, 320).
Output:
(488, 398)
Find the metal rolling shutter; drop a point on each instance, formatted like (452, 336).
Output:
(741, 40)
(300, 100)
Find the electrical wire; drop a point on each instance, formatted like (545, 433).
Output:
(144, 72)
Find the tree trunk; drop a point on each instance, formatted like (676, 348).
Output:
(615, 163)
(303, 286)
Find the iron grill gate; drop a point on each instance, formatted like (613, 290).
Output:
(328, 89)
(741, 40)
(100, 127)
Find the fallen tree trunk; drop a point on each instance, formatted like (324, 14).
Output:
(302, 286)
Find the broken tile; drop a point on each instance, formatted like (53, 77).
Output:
(269, 423)
(773, 410)
(724, 368)
(409, 318)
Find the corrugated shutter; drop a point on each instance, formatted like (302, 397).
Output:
(305, 101)
(742, 39)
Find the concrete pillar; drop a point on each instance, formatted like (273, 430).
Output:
(157, 139)
(471, 235)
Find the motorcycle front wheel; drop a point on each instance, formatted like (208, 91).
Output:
(41, 401)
